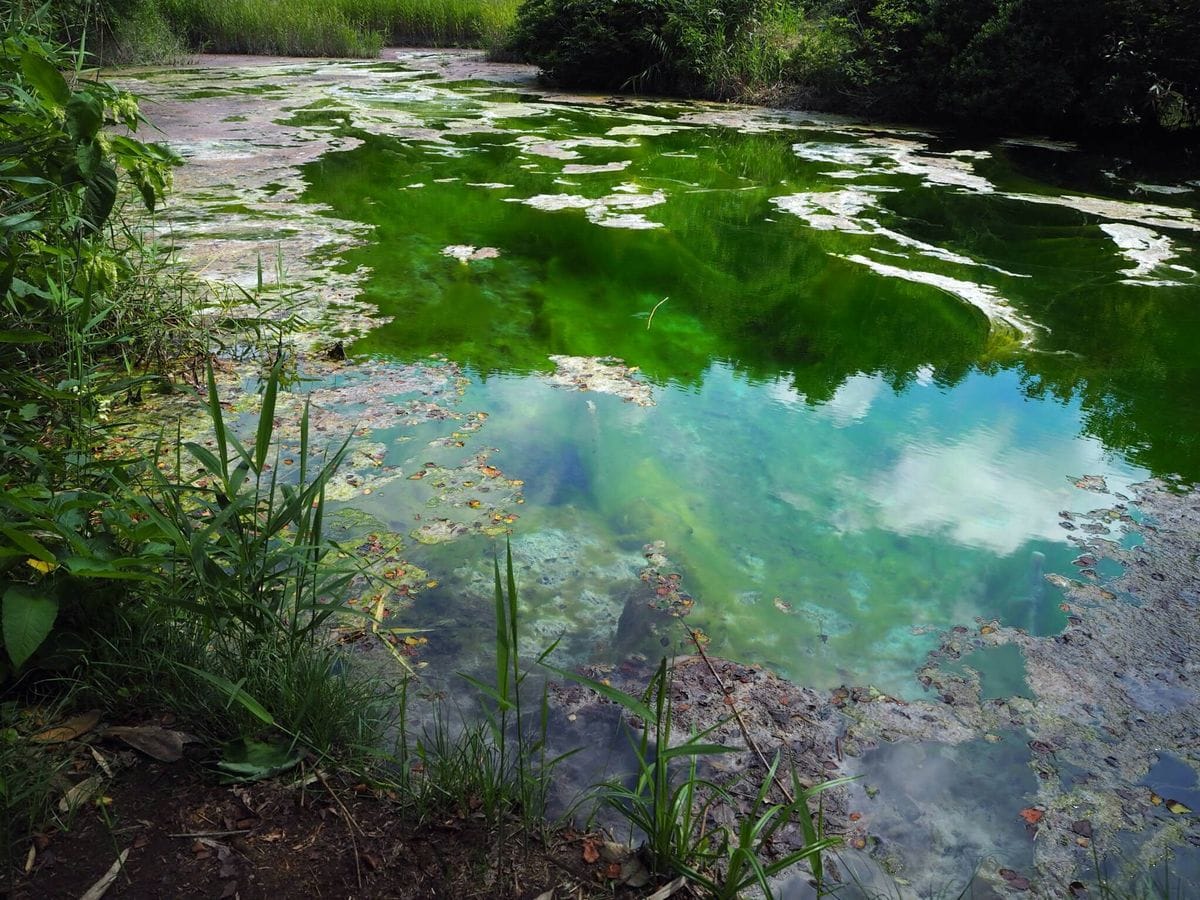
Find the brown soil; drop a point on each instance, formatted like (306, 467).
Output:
(190, 837)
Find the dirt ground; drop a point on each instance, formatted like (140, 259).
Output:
(188, 836)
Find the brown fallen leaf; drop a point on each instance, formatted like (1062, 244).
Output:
(1031, 815)
(70, 729)
(591, 852)
(160, 743)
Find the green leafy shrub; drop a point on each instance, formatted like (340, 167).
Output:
(1047, 64)
(693, 47)
(72, 330)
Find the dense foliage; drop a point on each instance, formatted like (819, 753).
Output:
(666, 46)
(175, 566)
(1051, 64)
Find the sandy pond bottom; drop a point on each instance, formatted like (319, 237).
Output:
(864, 405)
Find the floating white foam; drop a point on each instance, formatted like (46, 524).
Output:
(842, 211)
(1162, 188)
(565, 149)
(581, 169)
(829, 210)
(1153, 214)
(643, 130)
(898, 156)
(983, 297)
(613, 211)
(465, 253)
(1147, 250)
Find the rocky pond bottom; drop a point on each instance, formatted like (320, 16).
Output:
(908, 421)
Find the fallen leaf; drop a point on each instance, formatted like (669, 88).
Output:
(70, 729)
(591, 853)
(1176, 807)
(80, 794)
(159, 743)
(97, 890)
(1016, 880)
(1155, 799)
(1032, 815)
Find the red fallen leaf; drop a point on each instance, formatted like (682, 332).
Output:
(1032, 815)
(854, 816)
(591, 853)
(614, 870)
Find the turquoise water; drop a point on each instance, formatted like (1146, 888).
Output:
(877, 360)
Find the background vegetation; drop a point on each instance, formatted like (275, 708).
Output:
(1075, 65)
(1051, 65)
(165, 30)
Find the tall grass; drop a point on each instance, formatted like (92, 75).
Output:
(337, 27)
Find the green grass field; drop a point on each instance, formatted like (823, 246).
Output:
(337, 27)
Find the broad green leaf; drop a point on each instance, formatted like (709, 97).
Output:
(249, 760)
(28, 621)
(266, 421)
(46, 79)
(30, 545)
(85, 115)
(101, 195)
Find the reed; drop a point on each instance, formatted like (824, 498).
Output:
(337, 27)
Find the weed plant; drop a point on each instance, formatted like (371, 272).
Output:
(670, 809)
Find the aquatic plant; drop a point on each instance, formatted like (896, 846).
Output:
(671, 810)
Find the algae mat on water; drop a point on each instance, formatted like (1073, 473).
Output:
(849, 375)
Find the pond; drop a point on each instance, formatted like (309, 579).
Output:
(857, 380)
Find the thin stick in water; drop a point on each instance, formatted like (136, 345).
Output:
(653, 311)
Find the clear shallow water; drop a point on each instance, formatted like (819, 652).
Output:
(881, 361)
